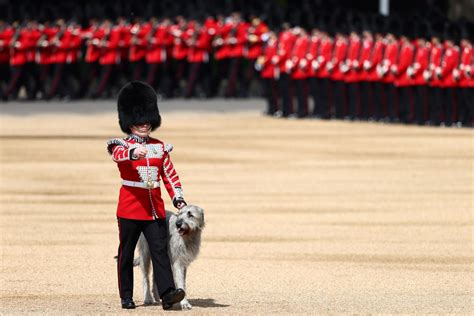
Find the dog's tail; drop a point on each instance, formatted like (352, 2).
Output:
(136, 261)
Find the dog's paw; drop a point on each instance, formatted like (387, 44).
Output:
(148, 301)
(185, 305)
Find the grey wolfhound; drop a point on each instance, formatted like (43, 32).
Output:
(185, 229)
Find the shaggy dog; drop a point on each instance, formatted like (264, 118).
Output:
(185, 229)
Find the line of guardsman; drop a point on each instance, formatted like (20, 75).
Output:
(65, 59)
(410, 73)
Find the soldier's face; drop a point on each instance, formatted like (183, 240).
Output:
(142, 130)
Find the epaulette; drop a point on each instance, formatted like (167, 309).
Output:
(111, 143)
(168, 148)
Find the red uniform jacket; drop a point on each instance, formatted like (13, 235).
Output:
(125, 41)
(416, 70)
(270, 61)
(237, 40)
(200, 46)
(18, 48)
(156, 51)
(435, 63)
(222, 34)
(370, 68)
(407, 53)
(45, 54)
(466, 67)
(136, 202)
(110, 52)
(254, 40)
(180, 34)
(139, 42)
(325, 54)
(353, 60)
(33, 37)
(5, 39)
(450, 75)
(298, 58)
(390, 59)
(365, 58)
(286, 41)
(312, 55)
(95, 35)
(74, 47)
(340, 54)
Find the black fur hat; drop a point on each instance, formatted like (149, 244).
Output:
(137, 104)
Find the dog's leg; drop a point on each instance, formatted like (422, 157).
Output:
(145, 261)
(179, 272)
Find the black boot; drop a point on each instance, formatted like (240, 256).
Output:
(172, 297)
(127, 303)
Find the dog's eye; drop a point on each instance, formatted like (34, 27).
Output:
(190, 215)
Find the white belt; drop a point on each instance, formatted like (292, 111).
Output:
(142, 185)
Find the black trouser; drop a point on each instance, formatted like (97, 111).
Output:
(421, 104)
(406, 112)
(319, 88)
(285, 92)
(391, 95)
(301, 90)
(353, 99)
(271, 95)
(466, 106)
(340, 98)
(366, 100)
(156, 234)
(436, 105)
(380, 100)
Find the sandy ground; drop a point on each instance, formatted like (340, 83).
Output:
(303, 216)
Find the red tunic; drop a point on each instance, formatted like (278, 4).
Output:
(299, 61)
(370, 67)
(365, 56)
(416, 70)
(390, 59)
(254, 40)
(95, 35)
(312, 55)
(180, 34)
(406, 59)
(110, 52)
(6, 36)
(435, 62)
(200, 46)
(449, 74)
(140, 203)
(18, 49)
(269, 61)
(340, 54)
(353, 60)
(156, 51)
(139, 41)
(466, 67)
(325, 54)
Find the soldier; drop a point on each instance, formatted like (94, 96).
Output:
(18, 59)
(142, 162)
(138, 48)
(367, 110)
(236, 44)
(298, 67)
(338, 69)
(352, 77)
(180, 33)
(253, 49)
(267, 64)
(286, 41)
(435, 91)
(6, 34)
(466, 80)
(109, 59)
(156, 51)
(387, 72)
(414, 76)
(402, 81)
(221, 53)
(448, 76)
(199, 44)
(93, 35)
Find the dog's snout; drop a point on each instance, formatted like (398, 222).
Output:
(179, 223)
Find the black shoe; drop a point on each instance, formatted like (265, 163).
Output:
(127, 303)
(172, 297)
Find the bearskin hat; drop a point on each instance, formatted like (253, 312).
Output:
(137, 104)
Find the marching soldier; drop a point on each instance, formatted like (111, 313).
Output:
(338, 69)
(435, 91)
(6, 35)
(138, 48)
(286, 41)
(180, 34)
(366, 88)
(267, 64)
(466, 80)
(352, 78)
(298, 67)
